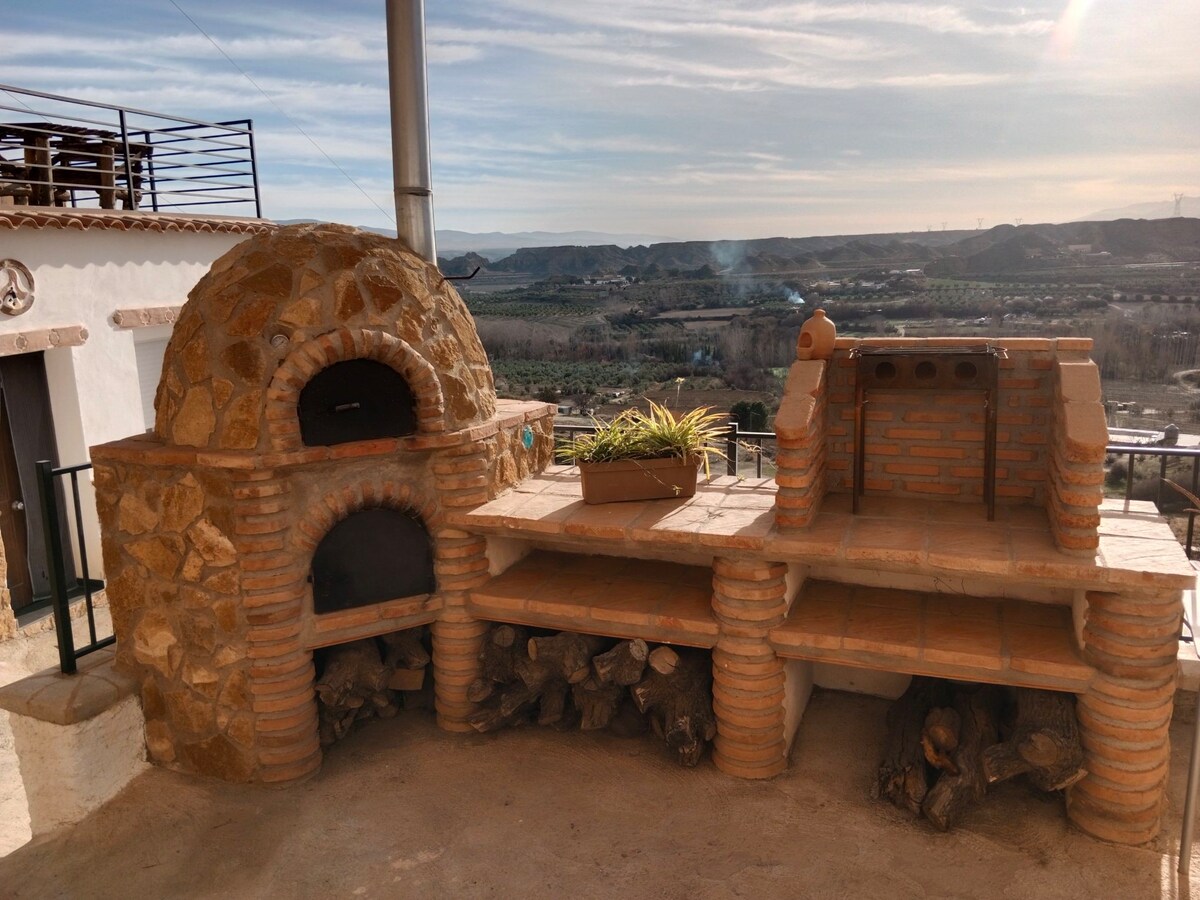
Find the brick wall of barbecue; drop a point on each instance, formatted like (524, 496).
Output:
(930, 443)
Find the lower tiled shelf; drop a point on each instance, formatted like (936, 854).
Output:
(967, 638)
(618, 597)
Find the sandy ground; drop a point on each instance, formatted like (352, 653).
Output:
(33, 650)
(401, 809)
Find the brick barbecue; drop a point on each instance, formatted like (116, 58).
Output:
(211, 525)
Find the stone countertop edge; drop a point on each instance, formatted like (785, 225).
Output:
(59, 699)
(1090, 572)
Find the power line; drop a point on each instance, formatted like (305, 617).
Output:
(22, 102)
(391, 218)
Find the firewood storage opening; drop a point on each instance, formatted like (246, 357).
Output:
(948, 742)
(371, 678)
(580, 681)
(355, 400)
(371, 556)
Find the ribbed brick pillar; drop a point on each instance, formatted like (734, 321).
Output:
(748, 678)
(281, 669)
(1125, 716)
(461, 563)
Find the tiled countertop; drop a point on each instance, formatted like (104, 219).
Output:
(1137, 548)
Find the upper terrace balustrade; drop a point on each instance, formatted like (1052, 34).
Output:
(58, 151)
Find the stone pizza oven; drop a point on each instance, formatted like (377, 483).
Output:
(325, 400)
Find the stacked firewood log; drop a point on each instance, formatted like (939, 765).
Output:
(947, 741)
(367, 678)
(572, 680)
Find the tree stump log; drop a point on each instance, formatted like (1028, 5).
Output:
(622, 665)
(1044, 744)
(954, 794)
(353, 685)
(902, 778)
(679, 704)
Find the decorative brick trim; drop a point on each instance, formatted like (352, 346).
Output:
(340, 345)
(45, 339)
(146, 316)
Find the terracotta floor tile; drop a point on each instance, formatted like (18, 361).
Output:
(1162, 557)
(886, 540)
(890, 598)
(544, 513)
(962, 641)
(493, 512)
(904, 509)
(603, 520)
(967, 512)
(561, 480)
(1047, 615)
(518, 581)
(1023, 517)
(674, 526)
(816, 591)
(600, 567)
(1136, 525)
(837, 502)
(568, 587)
(876, 629)
(819, 624)
(825, 537)
(737, 528)
(682, 608)
(984, 550)
(961, 606)
(1044, 651)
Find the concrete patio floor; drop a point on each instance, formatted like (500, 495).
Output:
(401, 809)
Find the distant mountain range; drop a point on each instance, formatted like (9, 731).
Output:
(1165, 209)
(1005, 248)
(499, 244)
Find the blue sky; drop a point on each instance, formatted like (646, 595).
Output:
(691, 118)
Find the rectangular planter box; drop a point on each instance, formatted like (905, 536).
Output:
(638, 479)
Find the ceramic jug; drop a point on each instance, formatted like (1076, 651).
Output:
(816, 337)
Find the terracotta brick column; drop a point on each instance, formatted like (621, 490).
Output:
(1125, 716)
(748, 678)
(800, 434)
(460, 562)
(280, 668)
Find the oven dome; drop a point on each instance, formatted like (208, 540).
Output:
(275, 308)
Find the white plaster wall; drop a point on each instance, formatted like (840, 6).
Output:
(70, 770)
(82, 278)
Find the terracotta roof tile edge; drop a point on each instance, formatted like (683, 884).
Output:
(32, 217)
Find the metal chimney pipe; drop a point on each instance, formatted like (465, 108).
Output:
(408, 90)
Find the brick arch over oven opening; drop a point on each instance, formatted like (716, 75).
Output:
(341, 345)
(337, 505)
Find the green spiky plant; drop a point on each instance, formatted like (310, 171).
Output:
(657, 434)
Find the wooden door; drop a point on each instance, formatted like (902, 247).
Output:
(27, 435)
(12, 518)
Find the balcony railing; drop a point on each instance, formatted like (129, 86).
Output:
(58, 151)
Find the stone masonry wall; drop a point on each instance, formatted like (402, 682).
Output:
(174, 589)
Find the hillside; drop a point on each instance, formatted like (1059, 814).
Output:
(999, 250)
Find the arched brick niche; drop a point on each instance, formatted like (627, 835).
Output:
(334, 511)
(344, 345)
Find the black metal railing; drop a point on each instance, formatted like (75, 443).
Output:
(1165, 498)
(745, 450)
(64, 587)
(58, 151)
